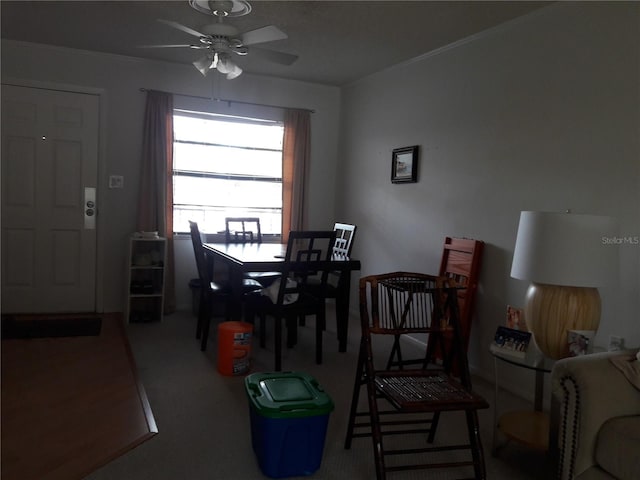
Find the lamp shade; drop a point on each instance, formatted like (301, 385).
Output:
(564, 249)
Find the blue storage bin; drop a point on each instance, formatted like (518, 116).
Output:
(289, 414)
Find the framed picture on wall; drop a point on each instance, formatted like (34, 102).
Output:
(404, 165)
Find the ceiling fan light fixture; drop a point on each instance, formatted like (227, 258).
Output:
(220, 62)
(224, 64)
(203, 64)
(227, 67)
(234, 73)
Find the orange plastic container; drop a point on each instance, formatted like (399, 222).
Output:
(234, 348)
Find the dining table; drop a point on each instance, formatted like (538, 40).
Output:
(241, 258)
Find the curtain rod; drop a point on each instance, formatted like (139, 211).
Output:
(142, 89)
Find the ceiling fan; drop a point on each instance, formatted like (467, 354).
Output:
(221, 41)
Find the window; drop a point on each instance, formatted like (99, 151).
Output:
(226, 167)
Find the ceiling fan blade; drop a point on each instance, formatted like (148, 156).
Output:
(179, 26)
(270, 33)
(273, 56)
(199, 47)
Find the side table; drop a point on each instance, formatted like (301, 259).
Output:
(528, 427)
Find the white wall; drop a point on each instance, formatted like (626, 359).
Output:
(121, 78)
(538, 114)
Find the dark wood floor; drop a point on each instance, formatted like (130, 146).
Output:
(70, 405)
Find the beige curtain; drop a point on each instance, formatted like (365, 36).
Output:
(296, 152)
(155, 204)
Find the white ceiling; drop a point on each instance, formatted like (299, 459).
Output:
(337, 41)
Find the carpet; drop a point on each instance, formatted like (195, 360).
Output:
(204, 422)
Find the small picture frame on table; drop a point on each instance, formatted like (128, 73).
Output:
(515, 318)
(404, 165)
(511, 342)
(580, 342)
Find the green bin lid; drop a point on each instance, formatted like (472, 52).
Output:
(287, 395)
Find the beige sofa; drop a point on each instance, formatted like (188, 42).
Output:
(597, 410)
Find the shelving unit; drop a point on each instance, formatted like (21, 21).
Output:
(145, 279)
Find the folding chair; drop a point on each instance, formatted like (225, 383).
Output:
(461, 261)
(460, 264)
(409, 401)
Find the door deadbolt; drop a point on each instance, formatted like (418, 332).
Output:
(90, 210)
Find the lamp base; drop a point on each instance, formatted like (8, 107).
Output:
(552, 310)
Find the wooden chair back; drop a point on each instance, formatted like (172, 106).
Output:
(207, 292)
(461, 259)
(345, 234)
(242, 230)
(304, 250)
(201, 260)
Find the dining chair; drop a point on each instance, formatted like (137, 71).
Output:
(407, 403)
(307, 257)
(248, 230)
(211, 292)
(242, 230)
(345, 233)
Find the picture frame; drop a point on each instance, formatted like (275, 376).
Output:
(404, 165)
(511, 342)
(580, 342)
(515, 318)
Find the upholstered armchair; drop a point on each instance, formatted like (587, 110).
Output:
(597, 403)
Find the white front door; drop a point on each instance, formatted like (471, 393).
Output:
(49, 179)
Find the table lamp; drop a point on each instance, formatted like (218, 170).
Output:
(564, 257)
